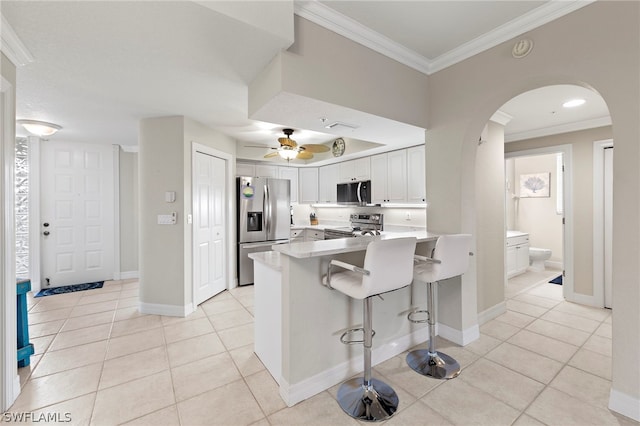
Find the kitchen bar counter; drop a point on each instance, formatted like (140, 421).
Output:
(298, 321)
(345, 245)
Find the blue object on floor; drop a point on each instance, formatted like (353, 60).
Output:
(557, 280)
(69, 288)
(25, 349)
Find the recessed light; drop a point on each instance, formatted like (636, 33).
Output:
(573, 103)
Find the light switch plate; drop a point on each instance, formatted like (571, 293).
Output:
(167, 219)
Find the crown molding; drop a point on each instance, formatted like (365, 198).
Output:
(13, 47)
(561, 128)
(527, 22)
(328, 18)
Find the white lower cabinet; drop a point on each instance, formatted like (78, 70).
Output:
(313, 235)
(296, 236)
(517, 255)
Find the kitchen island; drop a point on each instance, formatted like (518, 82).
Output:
(298, 321)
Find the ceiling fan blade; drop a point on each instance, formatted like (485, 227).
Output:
(271, 154)
(305, 155)
(288, 142)
(315, 148)
(260, 146)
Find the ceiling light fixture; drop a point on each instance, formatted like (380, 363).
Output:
(39, 128)
(288, 153)
(573, 103)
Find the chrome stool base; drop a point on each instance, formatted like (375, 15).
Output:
(373, 403)
(437, 365)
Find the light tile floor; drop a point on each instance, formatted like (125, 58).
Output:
(545, 361)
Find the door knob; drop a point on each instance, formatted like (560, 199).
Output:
(46, 233)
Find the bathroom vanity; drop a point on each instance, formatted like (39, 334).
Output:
(517, 253)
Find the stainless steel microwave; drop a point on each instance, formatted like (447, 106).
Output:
(355, 193)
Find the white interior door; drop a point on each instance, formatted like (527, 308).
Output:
(77, 217)
(209, 220)
(608, 226)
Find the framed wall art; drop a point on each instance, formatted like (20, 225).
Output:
(535, 185)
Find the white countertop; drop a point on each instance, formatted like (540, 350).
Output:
(344, 245)
(269, 258)
(319, 227)
(511, 234)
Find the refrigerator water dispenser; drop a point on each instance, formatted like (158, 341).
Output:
(254, 221)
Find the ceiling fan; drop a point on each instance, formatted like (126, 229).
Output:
(289, 149)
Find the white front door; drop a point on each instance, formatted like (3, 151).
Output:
(209, 211)
(77, 217)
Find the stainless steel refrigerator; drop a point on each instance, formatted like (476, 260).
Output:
(263, 219)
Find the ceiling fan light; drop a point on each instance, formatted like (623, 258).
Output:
(39, 128)
(288, 154)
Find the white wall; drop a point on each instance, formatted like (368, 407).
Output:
(129, 213)
(489, 179)
(165, 250)
(580, 48)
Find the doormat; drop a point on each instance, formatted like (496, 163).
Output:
(557, 280)
(69, 289)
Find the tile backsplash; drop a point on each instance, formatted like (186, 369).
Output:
(395, 216)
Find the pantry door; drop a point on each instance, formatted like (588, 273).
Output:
(76, 213)
(209, 221)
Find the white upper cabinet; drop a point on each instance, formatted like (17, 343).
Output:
(308, 185)
(328, 181)
(290, 173)
(416, 185)
(245, 169)
(265, 170)
(355, 170)
(389, 177)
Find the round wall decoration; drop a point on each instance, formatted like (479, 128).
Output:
(338, 147)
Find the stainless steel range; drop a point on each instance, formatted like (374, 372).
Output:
(361, 224)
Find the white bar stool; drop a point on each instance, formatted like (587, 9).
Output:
(388, 265)
(450, 259)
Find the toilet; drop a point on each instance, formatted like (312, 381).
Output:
(537, 256)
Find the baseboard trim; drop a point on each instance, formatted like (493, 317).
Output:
(166, 310)
(128, 275)
(624, 404)
(297, 392)
(458, 337)
(553, 265)
(491, 313)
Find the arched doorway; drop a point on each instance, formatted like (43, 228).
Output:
(541, 124)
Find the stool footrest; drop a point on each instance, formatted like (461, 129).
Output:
(344, 340)
(418, 321)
